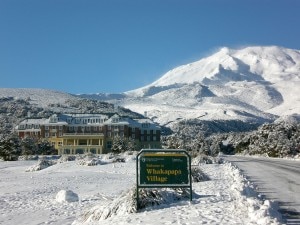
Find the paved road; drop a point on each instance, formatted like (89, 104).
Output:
(276, 179)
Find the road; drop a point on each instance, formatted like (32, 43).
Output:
(276, 179)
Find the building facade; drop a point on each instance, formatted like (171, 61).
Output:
(94, 133)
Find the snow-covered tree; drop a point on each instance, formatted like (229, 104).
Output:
(10, 147)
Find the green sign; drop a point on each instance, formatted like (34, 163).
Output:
(157, 168)
(161, 169)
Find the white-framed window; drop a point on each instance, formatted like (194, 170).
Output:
(46, 127)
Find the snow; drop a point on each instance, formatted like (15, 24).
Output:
(40, 197)
(252, 83)
(37, 96)
(66, 196)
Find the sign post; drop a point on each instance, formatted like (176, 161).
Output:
(158, 168)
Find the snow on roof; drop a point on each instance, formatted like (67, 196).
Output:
(33, 121)
(116, 119)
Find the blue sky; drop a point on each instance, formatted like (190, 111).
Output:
(112, 46)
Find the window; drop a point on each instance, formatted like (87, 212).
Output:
(145, 125)
(133, 136)
(60, 127)
(46, 127)
(60, 133)
(115, 120)
(46, 134)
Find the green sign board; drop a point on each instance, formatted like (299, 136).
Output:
(157, 168)
(161, 169)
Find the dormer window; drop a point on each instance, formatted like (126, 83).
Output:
(115, 120)
(53, 119)
(145, 125)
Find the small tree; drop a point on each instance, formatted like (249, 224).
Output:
(46, 148)
(10, 147)
(29, 146)
(118, 145)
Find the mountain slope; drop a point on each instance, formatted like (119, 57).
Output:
(250, 84)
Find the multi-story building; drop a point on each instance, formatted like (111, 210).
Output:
(95, 133)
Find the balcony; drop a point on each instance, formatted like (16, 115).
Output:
(82, 134)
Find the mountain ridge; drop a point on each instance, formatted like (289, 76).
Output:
(256, 83)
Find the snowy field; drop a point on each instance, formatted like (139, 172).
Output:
(32, 197)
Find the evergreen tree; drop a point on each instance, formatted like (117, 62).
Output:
(10, 147)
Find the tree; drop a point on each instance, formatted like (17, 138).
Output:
(118, 145)
(10, 147)
(46, 148)
(29, 146)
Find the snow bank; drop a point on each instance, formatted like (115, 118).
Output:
(260, 211)
(66, 196)
(41, 164)
(126, 203)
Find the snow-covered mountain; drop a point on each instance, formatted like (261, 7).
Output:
(249, 84)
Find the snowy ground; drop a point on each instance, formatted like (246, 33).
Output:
(31, 197)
